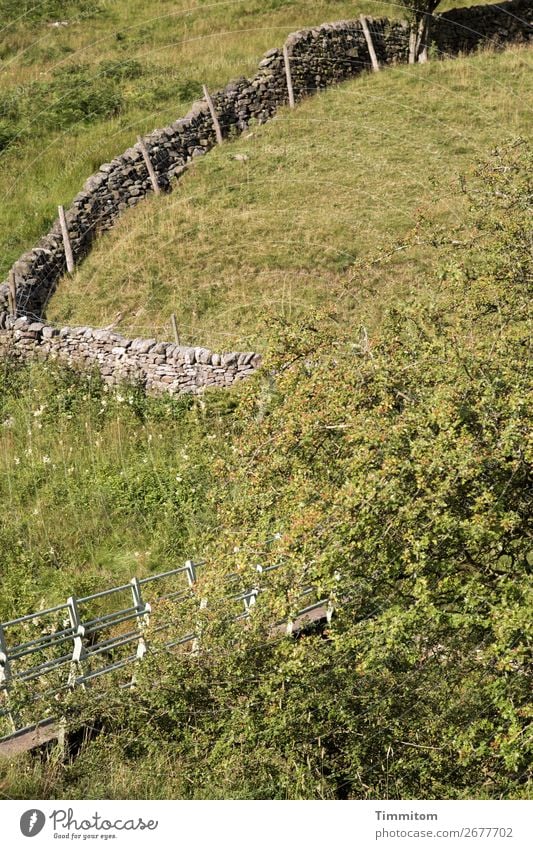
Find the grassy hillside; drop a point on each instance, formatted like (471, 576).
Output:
(100, 488)
(278, 219)
(395, 464)
(386, 439)
(75, 95)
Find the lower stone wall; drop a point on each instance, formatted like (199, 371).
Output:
(158, 367)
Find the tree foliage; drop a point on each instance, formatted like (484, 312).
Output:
(420, 13)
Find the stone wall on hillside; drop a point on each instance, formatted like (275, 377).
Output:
(319, 57)
(159, 367)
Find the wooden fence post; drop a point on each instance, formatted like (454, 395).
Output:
(369, 43)
(288, 75)
(12, 294)
(149, 167)
(175, 329)
(214, 116)
(66, 240)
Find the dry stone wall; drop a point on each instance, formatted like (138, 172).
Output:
(159, 367)
(319, 57)
(494, 26)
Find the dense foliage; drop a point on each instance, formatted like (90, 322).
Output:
(395, 464)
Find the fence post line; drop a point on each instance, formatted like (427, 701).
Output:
(214, 116)
(12, 293)
(369, 43)
(79, 651)
(175, 328)
(66, 239)
(288, 75)
(149, 167)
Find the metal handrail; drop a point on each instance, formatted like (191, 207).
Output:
(112, 644)
(47, 666)
(90, 676)
(172, 572)
(32, 646)
(104, 593)
(35, 615)
(140, 610)
(109, 619)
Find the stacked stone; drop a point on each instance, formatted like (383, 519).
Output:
(325, 55)
(159, 367)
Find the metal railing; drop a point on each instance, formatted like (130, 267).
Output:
(58, 649)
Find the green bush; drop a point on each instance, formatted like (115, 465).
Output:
(127, 69)
(8, 135)
(76, 94)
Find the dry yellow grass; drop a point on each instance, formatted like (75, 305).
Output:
(336, 181)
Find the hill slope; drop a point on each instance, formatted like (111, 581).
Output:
(277, 220)
(395, 466)
(77, 93)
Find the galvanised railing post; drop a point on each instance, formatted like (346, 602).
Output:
(5, 676)
(249, 599)
(5, 673)
(143, 616)
(79, 652)
(191, 572)
(192, 577)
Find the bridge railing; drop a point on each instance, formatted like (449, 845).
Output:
(75, 644)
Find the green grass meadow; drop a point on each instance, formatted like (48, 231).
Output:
(282, 218)
(76, 95)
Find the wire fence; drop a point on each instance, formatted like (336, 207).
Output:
(73, 645)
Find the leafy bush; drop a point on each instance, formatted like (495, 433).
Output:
(77, 93)
(127, 69)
